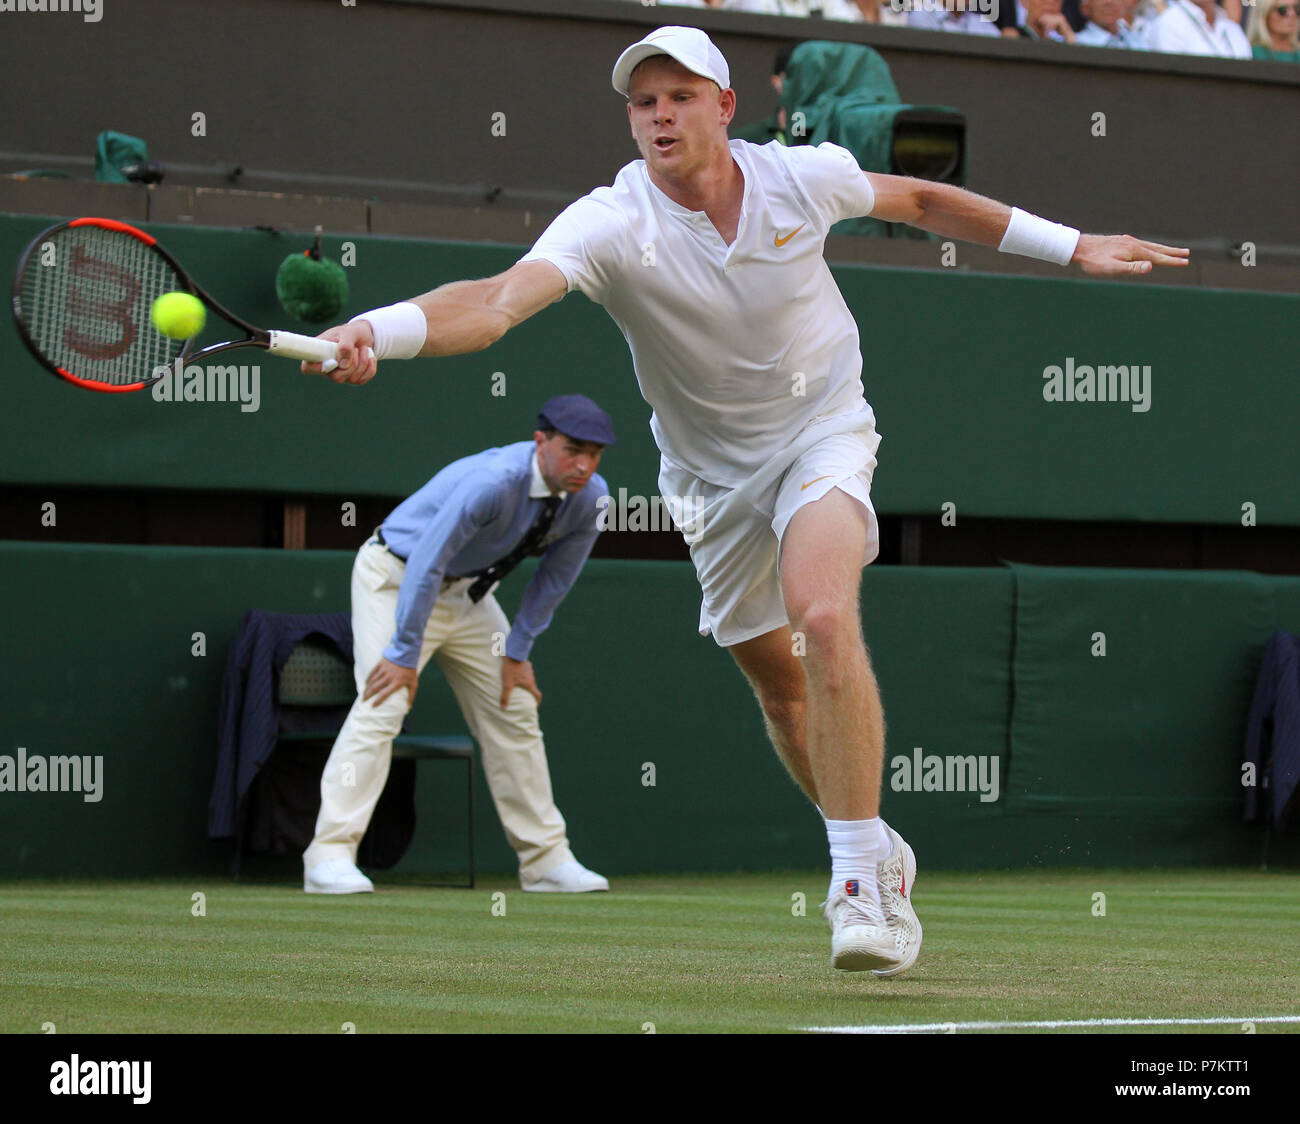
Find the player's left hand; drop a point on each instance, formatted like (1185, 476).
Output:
(1122, 255)
(517, 673)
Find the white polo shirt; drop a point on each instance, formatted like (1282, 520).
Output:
(736, 348)
(1182, 29)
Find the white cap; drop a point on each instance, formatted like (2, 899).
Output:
(688, 45)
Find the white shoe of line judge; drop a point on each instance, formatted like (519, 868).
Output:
(338, 876)
(568, 878)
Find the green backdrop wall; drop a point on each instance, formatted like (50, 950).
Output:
(1129, 758)
(954, 369)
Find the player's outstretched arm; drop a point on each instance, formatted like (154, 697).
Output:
(459, 317)
(952, 212)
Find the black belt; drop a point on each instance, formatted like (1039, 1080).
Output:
(447, 579)
(379, 534)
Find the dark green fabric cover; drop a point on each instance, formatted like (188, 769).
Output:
(113, 152)
(846, 95)
(1129, 759)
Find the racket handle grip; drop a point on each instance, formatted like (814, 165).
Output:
(309, 348)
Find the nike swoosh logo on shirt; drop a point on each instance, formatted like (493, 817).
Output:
(812, 482)
(778, 241)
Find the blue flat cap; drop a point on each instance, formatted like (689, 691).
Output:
(577, 416)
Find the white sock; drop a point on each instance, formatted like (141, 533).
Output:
(886, 850)
(885, 846)
(855, 850)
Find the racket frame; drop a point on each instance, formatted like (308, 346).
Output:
(283, 343)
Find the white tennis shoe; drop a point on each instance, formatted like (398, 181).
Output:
(336, 876)
(860, 938)
(567, 878)
(895, 877)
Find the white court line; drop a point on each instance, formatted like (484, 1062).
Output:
(1044, 1024)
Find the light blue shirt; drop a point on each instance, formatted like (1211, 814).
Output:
(472, 513)
(1094, 35)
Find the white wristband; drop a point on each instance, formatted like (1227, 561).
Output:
(399, 330)
(1032, 237)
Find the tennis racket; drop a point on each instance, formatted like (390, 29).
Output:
(82, 295)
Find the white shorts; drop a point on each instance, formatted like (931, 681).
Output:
(735, 534)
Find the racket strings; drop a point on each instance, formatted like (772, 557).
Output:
(86, 296)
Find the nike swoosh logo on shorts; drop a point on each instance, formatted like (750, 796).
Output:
(812, 482)
(778, 241)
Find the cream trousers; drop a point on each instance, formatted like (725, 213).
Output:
(463, 637)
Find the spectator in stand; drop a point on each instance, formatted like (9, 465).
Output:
(1043, 21)
(969, 22)
(851, 11)
(1011, 16)
(774, 7)
(1273, 29)
(886, 13)
(1197, 27)
(1140, 15)
(1107, 27)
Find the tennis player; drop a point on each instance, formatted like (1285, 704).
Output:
(707, 253)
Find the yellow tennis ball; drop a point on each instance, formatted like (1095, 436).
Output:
(178, 315)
